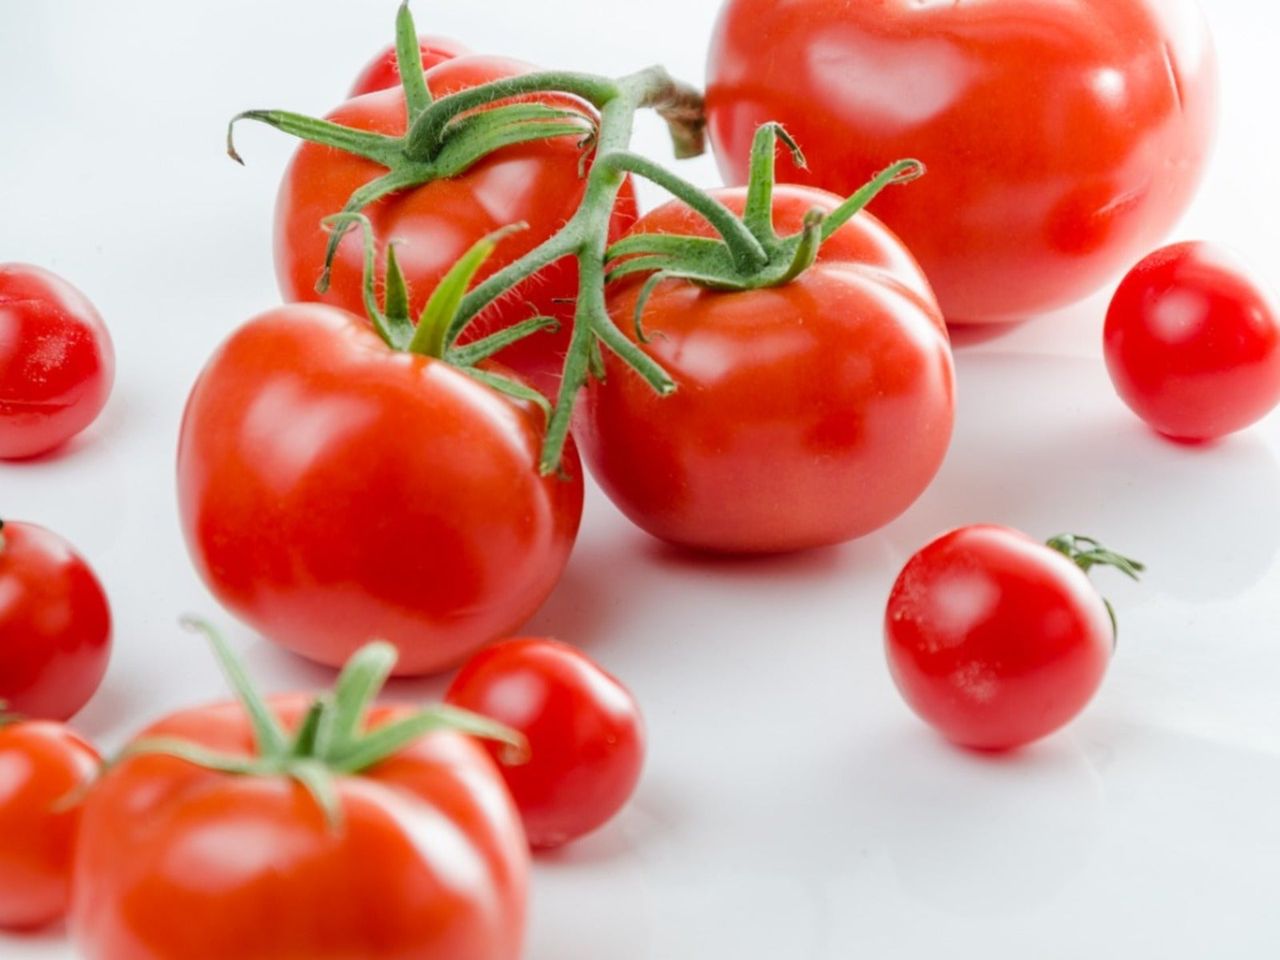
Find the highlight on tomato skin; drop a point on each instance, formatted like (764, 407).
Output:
(1192, 342)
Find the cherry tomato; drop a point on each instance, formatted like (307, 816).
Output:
(1062, 139)
(537, 183)
(806, 414)
(42, 767)
(383, 73)
(56, 361)
(585, 733)
(1193, 343)
(994, 639)
(55, 624)
(179, 861)
(333, 491)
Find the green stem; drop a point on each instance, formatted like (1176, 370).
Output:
(758, 215)
(377, 147)
(904, 171)
(417, 98)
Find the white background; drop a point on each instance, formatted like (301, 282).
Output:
(792, 808)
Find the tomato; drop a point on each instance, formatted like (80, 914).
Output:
(1192, 342)
(1062, 139)
(537, 183)
(180, 862)
(333, 490)
(56, 361)
(42, 766)
(997, 640)
(55, 624)
(805, 414)
(585, 733)
(382, 72)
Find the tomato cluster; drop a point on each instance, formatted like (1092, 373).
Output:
(761, 368)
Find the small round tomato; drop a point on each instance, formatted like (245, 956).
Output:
(996, 640)
(55, 624)
(1193, 343)
(333, 490)
(56, 361)
(585, 733)
(805, 414)
(383, 73)
(42, 767)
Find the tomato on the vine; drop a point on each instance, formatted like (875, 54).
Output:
(55, 624)
(383, 73)
(1192, 343)
(997, 640)
(43, 766)
(1063, 139)
(585, 733)
(56, 361)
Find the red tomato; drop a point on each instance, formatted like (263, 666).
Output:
(537, 183)
(333, 491)
(42, 766)
(994, 639)
(179, 861)
(585, 733)
(806, 414)
(382, 72)
(55, 624)
(56, 361)
(1062, 138)
(1193, 343)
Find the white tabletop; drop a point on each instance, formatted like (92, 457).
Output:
(792, 808)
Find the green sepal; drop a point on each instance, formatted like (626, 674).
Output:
(417, 98)
(511, 388)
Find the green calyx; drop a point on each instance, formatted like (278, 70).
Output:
(748, 254)
(1087, 553)
(332, 740)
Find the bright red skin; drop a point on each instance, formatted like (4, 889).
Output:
(535, 183)
(805, 415)
(1193, 343)
(56, 361)
(176, 861)
(382, 72)
(55, 625)
(42, 764)
(996, 640)
(585, 732)
(333, 491)
(1063, 139)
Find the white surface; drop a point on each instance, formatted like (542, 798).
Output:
(792, 808)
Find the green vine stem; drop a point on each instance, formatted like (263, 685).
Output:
(1087, 553)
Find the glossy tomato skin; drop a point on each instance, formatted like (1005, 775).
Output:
(43, 765)
(57, 363)
(996, 640)
(804, 415)
(1062, 139)
(55, 625)
(586, 735)
(382, 72)
(1192, 343)
(176, 862)
(434, 225)
(333, 491)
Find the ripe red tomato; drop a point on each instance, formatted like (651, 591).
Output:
(55, 624)
(56, 361)
(1193, 343)
(994, 639)
(42, 766)
(806, 414)
(382, 72)
(1062, 139)
(537, 183)
(333, 491)
(176, 860)
(585, 733)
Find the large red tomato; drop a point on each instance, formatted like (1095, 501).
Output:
(334, 491)
(806, 414)
(538, 183)
(179, 862)
(1063, 138)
